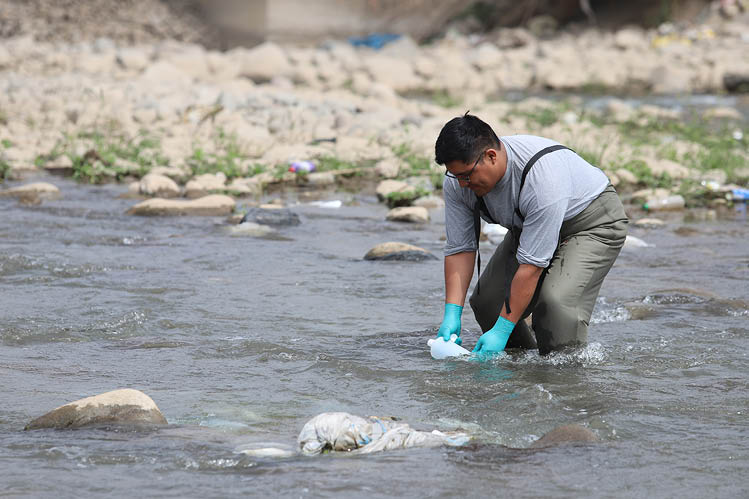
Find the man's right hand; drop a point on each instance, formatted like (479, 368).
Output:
(451, 323)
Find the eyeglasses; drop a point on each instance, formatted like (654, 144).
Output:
(466, 177)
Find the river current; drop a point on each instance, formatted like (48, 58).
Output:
(240, 340)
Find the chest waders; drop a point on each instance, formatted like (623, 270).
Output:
(515, 230)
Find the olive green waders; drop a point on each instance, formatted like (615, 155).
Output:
(567, 290)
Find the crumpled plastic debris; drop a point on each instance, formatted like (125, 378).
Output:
(494, 232)
(632, 242)
(375, 40)
(344, 432)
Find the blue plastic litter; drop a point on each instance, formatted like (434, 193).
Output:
(375, 40)
(740, 194)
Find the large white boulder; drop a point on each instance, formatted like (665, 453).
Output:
(668, 167)
(413, 214)
(396, 73)
(486, 56)
(631, 38)
(132, 58)
(204, 184)
(192, 62)
(388, 168)
(94, 63)
(387, 187)
(162, 186)
(163, 72)
(118, 406)
(671, 79)
(263, 62)
(626, 176)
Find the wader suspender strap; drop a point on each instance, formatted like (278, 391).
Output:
(480, 206)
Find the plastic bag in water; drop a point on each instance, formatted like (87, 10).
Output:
(341, 431)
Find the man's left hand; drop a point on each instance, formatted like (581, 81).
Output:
(495, 339)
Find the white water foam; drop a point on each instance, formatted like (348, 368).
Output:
(592, 354)
(604, 312)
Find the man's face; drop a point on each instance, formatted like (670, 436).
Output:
(476, 176)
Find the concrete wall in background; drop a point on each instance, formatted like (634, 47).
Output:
(247, 21)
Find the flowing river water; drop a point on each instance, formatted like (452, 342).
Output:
(240, 340)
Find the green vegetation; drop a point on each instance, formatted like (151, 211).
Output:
(717, 144)
(593, 157)
(439, 97)
(4, 169)
(98, 156)
(227, 157)
(331, 163)
(597, 88)
(255, 169)
(405, 198)
(645, 175)
(720, 148)
(444, 99)
(417, 165)
(542, 116)
(4, 165)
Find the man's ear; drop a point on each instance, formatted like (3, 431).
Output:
(492, 154)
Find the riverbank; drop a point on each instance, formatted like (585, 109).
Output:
(232, 122)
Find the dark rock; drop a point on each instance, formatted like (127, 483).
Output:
(278, 217)
(398, 252)
(406, 256)
(736, 83)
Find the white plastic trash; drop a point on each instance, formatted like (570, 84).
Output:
(632, 242)
(441, 349)
(494, 232)
(337, 203)
(344, 432)
(675, 202)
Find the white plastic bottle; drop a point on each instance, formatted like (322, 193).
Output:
(675, 202)
(440, 349)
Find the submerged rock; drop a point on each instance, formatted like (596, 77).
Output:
(213, 205)
(398, 251)
(271, 216)
(251, 229)
(41, 190)
(118, 406)
(565, 434)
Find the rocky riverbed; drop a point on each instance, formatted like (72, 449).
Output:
(176, 120)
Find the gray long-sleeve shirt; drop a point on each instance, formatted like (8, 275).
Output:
(559, 186)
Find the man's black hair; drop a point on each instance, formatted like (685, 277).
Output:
(463, 139)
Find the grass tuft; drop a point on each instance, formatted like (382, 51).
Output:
(227, 158)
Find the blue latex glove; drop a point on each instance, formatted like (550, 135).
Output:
(451, 322)
(495, 339)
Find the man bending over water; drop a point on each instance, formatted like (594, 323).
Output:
(567, 226)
